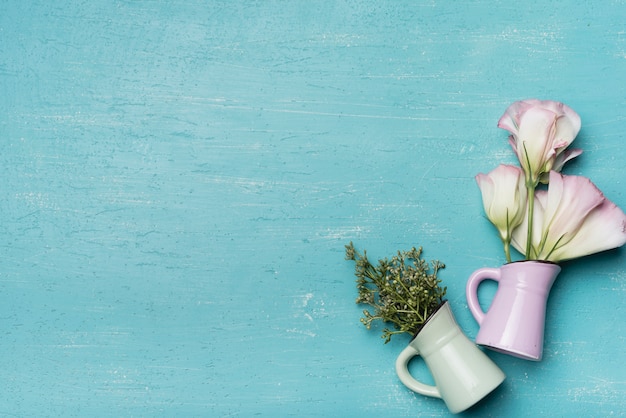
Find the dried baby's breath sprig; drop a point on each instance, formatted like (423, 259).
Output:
(400, 291)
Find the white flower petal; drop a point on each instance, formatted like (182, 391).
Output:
(603, 229)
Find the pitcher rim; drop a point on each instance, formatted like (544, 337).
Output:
(441, 305)
(531, 261)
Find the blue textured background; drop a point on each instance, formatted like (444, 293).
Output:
(179, 179)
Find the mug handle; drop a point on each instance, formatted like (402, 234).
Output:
(402, 369)
(471, 290)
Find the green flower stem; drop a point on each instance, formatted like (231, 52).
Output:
(507, 251)
(506, 239)
(530, 186)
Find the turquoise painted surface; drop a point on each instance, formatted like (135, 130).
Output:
(180, 178)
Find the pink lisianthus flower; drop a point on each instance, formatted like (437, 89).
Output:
(541, 131)
(572, 219)
(504, 199)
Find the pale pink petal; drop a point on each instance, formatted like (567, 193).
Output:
(519, 237)
(541, 202)
(567, 130)
(487, 190)
(511, 118)
(504, 197)
(508, 122)
(604, 229)
(564, 157)
(569, 201)
(533, 139)
(568, 122)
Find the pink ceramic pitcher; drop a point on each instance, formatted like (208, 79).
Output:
(515, 321)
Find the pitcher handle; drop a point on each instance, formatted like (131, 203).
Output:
(402, 369)
(471, 290)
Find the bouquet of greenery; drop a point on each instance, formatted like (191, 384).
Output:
(402, 291)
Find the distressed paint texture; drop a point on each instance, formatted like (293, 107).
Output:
(179, 179)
